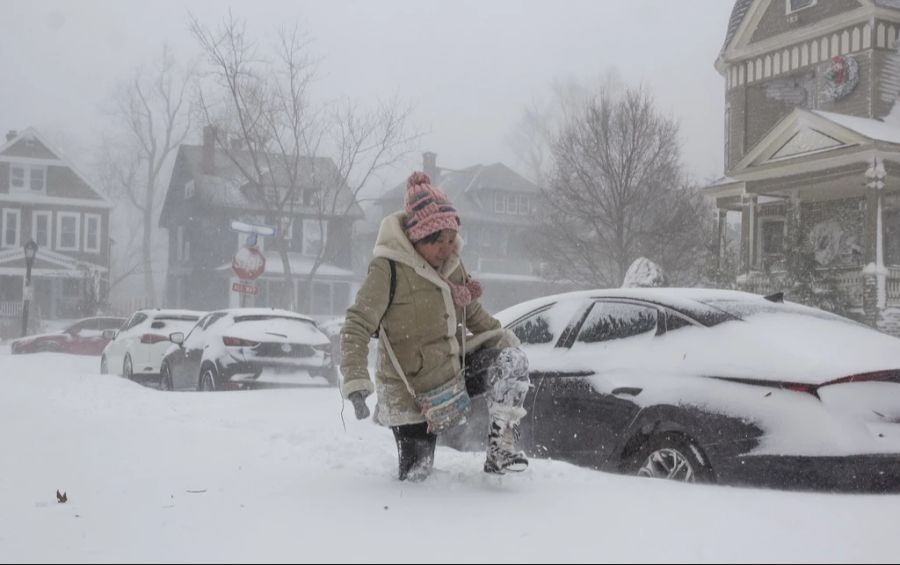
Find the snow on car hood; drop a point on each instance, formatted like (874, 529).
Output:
(278, 330)
(29, 338)
(849, 419)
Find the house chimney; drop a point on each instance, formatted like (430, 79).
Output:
(429, 167)
(11, 135)
(208, 157)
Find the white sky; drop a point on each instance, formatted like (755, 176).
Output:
(471, 67)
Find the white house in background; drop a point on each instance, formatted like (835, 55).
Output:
(44, 198)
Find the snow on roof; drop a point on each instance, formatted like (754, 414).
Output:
(873, 129)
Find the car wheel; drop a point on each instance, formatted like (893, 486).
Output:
(165, 378)
(127, 368)
(207, 381)
(104, 366)
(672, 456)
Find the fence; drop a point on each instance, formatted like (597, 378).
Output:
(11, 309)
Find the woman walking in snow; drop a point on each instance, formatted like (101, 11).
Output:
(420, 301)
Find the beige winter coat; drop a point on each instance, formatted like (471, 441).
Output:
(421, 326)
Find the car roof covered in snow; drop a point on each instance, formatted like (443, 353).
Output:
(683, 299)
(237, 312)
(160, 312)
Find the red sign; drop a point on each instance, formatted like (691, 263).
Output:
(248, 263)
(245, 288)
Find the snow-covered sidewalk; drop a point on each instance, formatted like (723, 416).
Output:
(273, 476)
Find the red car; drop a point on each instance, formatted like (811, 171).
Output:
(84, 337)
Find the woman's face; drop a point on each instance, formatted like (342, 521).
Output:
(437, 252)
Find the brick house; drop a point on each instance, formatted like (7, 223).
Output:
(44, 198)
(812, 144)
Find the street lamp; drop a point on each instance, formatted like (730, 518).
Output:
(31, 249)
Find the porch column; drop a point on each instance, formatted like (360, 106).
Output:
(748, 232)
(874, 273)
(721, 224)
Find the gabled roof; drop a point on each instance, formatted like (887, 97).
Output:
(466, 189)
(803, 133)
(746, 14)
(49, 152)
(734, 22)
(228, 186)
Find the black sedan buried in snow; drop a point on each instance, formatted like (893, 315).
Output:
(707, 386)
(248, 348)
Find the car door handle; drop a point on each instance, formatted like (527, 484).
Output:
(629, 390)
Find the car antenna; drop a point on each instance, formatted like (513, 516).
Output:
(776, 297)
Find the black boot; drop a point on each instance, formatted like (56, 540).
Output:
(415, 448)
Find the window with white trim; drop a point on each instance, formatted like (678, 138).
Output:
(40, 227)
(12, 220)
(92, 233)
(792, 6)
(67, 230)
(27, 178)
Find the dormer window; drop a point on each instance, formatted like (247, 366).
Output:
(797, 5)
(27, 178)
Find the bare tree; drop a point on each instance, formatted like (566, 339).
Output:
(617, 191)
(153, 118)
(116, 169)
(300, 158)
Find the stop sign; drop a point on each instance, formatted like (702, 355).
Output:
(248, 263)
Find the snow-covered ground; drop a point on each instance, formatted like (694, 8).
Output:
(274, 476)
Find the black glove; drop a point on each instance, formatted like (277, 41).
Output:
(358, 399)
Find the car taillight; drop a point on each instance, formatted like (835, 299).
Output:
(801, 387)
(892, 376)
(153, 338)
(238, 342)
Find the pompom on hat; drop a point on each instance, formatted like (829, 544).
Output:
(427, 208)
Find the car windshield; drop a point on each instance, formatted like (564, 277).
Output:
(744, 309)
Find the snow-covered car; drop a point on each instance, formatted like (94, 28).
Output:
(707, 385)
(248, 348)
(83, 337)
(137, 349)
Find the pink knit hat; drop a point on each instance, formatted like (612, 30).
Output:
(427, 208)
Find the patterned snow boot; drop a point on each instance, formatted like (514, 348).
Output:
(509, 383)
(502, 455)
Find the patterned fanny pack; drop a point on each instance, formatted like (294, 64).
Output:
(446, 406)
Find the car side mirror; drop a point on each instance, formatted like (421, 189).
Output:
(109, 335)
(177, 338)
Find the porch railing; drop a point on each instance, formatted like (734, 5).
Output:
(849, 280)
(893, 286)
(11, 309)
